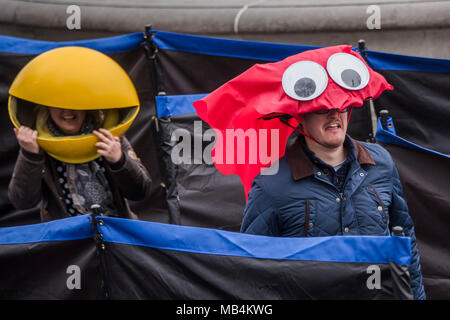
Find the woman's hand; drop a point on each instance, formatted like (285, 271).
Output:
(109, 146)
(27, 139)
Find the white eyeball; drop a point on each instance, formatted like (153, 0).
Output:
(304, 80)
(348, 71)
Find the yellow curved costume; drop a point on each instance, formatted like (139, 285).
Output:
(75, 78)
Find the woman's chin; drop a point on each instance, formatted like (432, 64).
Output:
(70, 131)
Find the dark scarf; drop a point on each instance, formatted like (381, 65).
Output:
(83, 184)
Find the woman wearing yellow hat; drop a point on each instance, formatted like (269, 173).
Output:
(70, 108)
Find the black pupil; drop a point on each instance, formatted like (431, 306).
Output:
(305, 87)
(351, 78)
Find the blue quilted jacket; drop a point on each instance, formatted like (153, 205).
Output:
(301, 201)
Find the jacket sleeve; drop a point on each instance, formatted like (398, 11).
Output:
(24, 190)
(260, 216)
(132, 178)
(399, 216)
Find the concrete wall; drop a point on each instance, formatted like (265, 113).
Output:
(410, 27)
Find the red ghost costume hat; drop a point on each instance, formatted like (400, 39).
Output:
(321, 79)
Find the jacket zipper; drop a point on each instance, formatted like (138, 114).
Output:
(306, 218)
(380, 202)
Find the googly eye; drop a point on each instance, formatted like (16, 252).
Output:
(348, 71)
(304, 80)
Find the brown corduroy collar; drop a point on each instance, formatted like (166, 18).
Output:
(302, 166)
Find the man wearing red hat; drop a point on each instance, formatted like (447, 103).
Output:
(327, 184)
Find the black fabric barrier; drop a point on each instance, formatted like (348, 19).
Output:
(419, 106)
(426, 184)
(99, 257)
(43, 270)
(199, 195)
(191, 276)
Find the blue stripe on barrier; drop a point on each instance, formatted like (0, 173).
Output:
(255, 50)
(386, 136)
(58, 230)
(389, 61)
(370, 249)
(245, 49)
(168, 106)
(266, 51)
(106, 45)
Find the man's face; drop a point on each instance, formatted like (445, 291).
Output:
(69, 121)
(328, 129)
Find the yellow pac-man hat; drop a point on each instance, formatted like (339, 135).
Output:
(75, 78)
